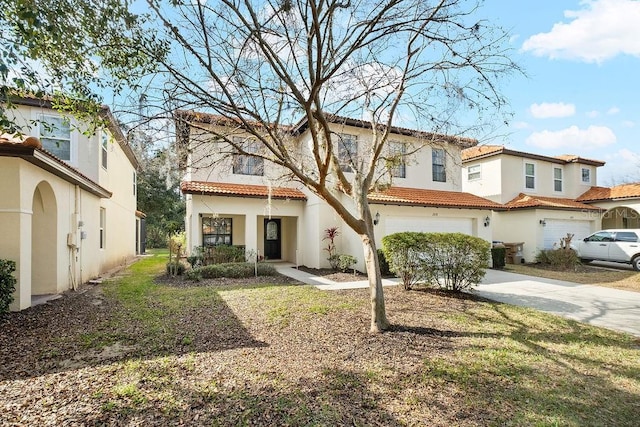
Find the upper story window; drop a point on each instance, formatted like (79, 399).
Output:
(438, 165)
(104, 144)
(557, 179)
(55, 135)
(398, 150)
(347, 151)
(586, 175)
(530, 176)
(473, 172)
(245, 164)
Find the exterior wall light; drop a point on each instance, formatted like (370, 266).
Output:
(487, 221)
(543, 222)
(376, 218)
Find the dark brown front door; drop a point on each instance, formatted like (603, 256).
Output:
(272, 244)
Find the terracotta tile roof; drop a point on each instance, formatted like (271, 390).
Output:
(525, 201)
(432, 198)
(241, 190)
(483, 151)
(624, 191)
(26, 140)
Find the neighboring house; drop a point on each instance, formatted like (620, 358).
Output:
(240, 200)
(622, 204)
(67, 200)
(543, 195)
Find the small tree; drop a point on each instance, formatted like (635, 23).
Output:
(330, 234)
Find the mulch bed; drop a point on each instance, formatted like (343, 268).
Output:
(182, 281)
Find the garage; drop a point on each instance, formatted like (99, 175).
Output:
(429, 225)
(555, 229)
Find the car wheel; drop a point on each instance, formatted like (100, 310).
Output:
(585, 260)
(635, 263)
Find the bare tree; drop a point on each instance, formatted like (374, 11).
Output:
(269, 66)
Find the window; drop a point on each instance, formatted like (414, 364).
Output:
(105, 146)
(530, 176)
(601, 236)
(103, 227)
(246, 164)
(347, 151)
(557, 179)
(439, 172)
(135, 182)
(55, 135)
(473, 172)
(397, 151)
(626, 236)
(586, 175)
(216, 231)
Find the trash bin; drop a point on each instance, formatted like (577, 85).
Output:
(514, 252)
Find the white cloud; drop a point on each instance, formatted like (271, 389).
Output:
(573, 138)
(628, 124)
(552, 109)
(601, 30)
(613, 110)
(593, 114)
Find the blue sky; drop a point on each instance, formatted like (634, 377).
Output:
(581, 94)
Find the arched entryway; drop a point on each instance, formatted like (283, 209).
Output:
(44, 241)
(621, 217)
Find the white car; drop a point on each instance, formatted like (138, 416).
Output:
(610, 245)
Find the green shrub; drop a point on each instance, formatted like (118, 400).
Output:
(346, 262)
(222, 254)
(384, 265)
(401, 251)
(452, 261)
(561, 259)
(176, 268)
(7, 284)
(231, 270)
(498, 256)
(334, 261)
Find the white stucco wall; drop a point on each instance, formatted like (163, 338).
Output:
(490, 181)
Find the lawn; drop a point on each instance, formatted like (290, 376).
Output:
(138, 352)
(585, 274)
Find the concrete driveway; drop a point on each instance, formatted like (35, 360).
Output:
(599, 306)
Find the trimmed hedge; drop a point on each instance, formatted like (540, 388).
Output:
(7, 284)
(499, 256)
(452, 261)
(231, 270)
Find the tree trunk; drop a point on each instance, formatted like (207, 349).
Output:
(379, 320)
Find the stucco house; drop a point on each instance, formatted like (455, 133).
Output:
(67, 200)
(621, 204)
(240, 200)
(544, 196)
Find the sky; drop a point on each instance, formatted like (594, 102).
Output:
(581, 94)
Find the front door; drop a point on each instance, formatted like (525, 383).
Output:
(272, 244)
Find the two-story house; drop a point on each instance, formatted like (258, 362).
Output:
(541, 194)
(67, 200)
(242, 200)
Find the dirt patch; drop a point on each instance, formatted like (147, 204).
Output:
(336, 276)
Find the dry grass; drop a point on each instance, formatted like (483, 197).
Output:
(134, 352)
(584, 274)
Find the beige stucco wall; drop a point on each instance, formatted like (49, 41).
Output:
(503, 178)
(489, 183)
(617, 211)
(524, 226)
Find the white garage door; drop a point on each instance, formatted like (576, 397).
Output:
(429, 225)
(555, 229)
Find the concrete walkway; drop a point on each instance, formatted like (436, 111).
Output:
(609, 308)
